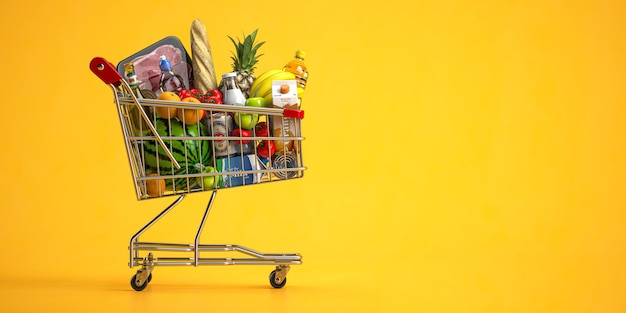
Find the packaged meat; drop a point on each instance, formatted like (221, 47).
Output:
(147, 63)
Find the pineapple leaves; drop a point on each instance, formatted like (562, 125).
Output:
(245, 56)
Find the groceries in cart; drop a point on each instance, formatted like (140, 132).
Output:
(187, 132)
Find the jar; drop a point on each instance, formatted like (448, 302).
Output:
(231, 93)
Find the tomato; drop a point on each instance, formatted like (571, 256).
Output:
(185, 94)
(210, 99)
(215, 93)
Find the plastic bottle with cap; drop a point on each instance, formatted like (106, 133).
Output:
(138, 124)
(131, 77)
(298, 68)
(170, 81)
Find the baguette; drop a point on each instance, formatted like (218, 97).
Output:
(202, 60)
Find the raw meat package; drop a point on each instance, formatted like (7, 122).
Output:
(147, 61)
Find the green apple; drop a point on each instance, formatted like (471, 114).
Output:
(257, 102)
(208, 181)
(246, 120)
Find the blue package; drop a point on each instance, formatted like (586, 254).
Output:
(246, 167)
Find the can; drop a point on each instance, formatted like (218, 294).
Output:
(221, 125)
(285, 160)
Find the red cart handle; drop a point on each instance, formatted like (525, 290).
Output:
(294, 113)
(105, 71)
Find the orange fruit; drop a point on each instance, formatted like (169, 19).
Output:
(189, 116)
(155, 187)
(168, 95)
(167, 112)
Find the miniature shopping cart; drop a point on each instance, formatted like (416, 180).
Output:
(170, 156)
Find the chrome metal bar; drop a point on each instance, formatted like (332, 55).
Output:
(216, 261)
(139, 247)
(150, 245)
(216, 174)
(260, 255)
(205, 106)
(127, 142)
(152, 128)
(255, 256)
(299, 143)
(196, 242)
(242, 261)
(208, 138)
(180, 247)
(135, 237)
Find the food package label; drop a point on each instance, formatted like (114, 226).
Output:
(245, 170)
(285, 94)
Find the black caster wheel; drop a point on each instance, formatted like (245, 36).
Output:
(133, 283)
(273, 280)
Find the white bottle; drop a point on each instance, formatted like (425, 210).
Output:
(232, 94)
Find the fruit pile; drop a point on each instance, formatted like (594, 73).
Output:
(197, 156)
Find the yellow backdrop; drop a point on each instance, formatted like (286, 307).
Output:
(463, 156)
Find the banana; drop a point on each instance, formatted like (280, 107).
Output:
(269, 100)
(261, 78)
(262, 86)
(265, 87)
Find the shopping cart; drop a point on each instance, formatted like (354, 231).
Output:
(169, 157)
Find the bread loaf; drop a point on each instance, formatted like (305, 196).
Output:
(202, 61)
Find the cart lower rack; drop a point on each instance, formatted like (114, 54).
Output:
(221, 147)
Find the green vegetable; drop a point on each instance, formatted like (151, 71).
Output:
(191, 154)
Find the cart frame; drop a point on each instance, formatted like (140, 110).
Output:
(142, 253)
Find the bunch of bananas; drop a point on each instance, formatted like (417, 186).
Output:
(262, 86)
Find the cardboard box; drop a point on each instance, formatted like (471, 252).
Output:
(285, 94)
(247, 166)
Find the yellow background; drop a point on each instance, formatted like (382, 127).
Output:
(463, 156)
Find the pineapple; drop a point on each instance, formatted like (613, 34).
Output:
(244, 61)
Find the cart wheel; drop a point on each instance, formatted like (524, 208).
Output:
(273, 281)
(133, 283)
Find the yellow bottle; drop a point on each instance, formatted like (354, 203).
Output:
(298, 68)
(133, 82)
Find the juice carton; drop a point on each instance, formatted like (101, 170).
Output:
(285, 94)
